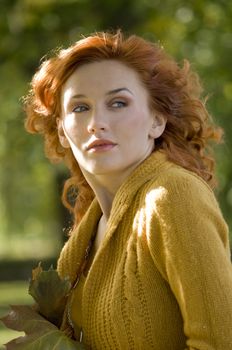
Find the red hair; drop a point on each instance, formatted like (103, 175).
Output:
(175, 92)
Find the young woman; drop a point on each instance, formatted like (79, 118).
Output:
(148, 256)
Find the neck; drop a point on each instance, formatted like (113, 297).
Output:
(105, 188)
(106, 185)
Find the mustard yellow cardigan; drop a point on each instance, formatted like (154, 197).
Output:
(162, 278)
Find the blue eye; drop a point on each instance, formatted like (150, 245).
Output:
(80, 108)
(118, 104)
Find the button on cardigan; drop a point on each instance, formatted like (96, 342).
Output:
(162, 277)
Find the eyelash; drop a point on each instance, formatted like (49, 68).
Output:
(80, 106)
(120, 104)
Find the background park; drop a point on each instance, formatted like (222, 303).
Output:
(32, 220)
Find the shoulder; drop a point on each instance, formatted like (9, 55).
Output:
(180, 204)
(178, 186)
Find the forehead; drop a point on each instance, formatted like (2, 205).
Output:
(103, 75)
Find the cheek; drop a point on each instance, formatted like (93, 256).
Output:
(137, 122)
(129, 133)
(70, 123)
(73, 128)
(130, 119)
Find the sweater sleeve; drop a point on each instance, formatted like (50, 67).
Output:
(188, 240)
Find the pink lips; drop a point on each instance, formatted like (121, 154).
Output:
(100, 145)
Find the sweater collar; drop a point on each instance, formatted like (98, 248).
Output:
(149, 169)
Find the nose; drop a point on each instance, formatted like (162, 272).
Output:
(97, 123)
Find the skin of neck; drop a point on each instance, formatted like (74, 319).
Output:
(105, 187)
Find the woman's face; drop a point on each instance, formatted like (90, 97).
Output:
(106, 119)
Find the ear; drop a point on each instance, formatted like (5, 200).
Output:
(158, 126)
(63, 139)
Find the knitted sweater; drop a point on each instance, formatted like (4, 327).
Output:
(162, 277)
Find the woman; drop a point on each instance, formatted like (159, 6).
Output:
(148, 256)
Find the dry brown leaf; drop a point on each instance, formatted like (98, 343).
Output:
(40, 334)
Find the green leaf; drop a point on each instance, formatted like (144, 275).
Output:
(40, 333)
(50, 293)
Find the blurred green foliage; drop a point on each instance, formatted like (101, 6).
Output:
(199, 30)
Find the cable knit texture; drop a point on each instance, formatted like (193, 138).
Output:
(162, 277)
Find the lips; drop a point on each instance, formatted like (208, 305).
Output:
(100, 144)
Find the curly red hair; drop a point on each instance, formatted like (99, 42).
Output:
(174, 92)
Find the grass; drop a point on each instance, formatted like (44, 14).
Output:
(11, 293)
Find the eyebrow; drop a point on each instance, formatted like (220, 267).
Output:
(111, 92)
